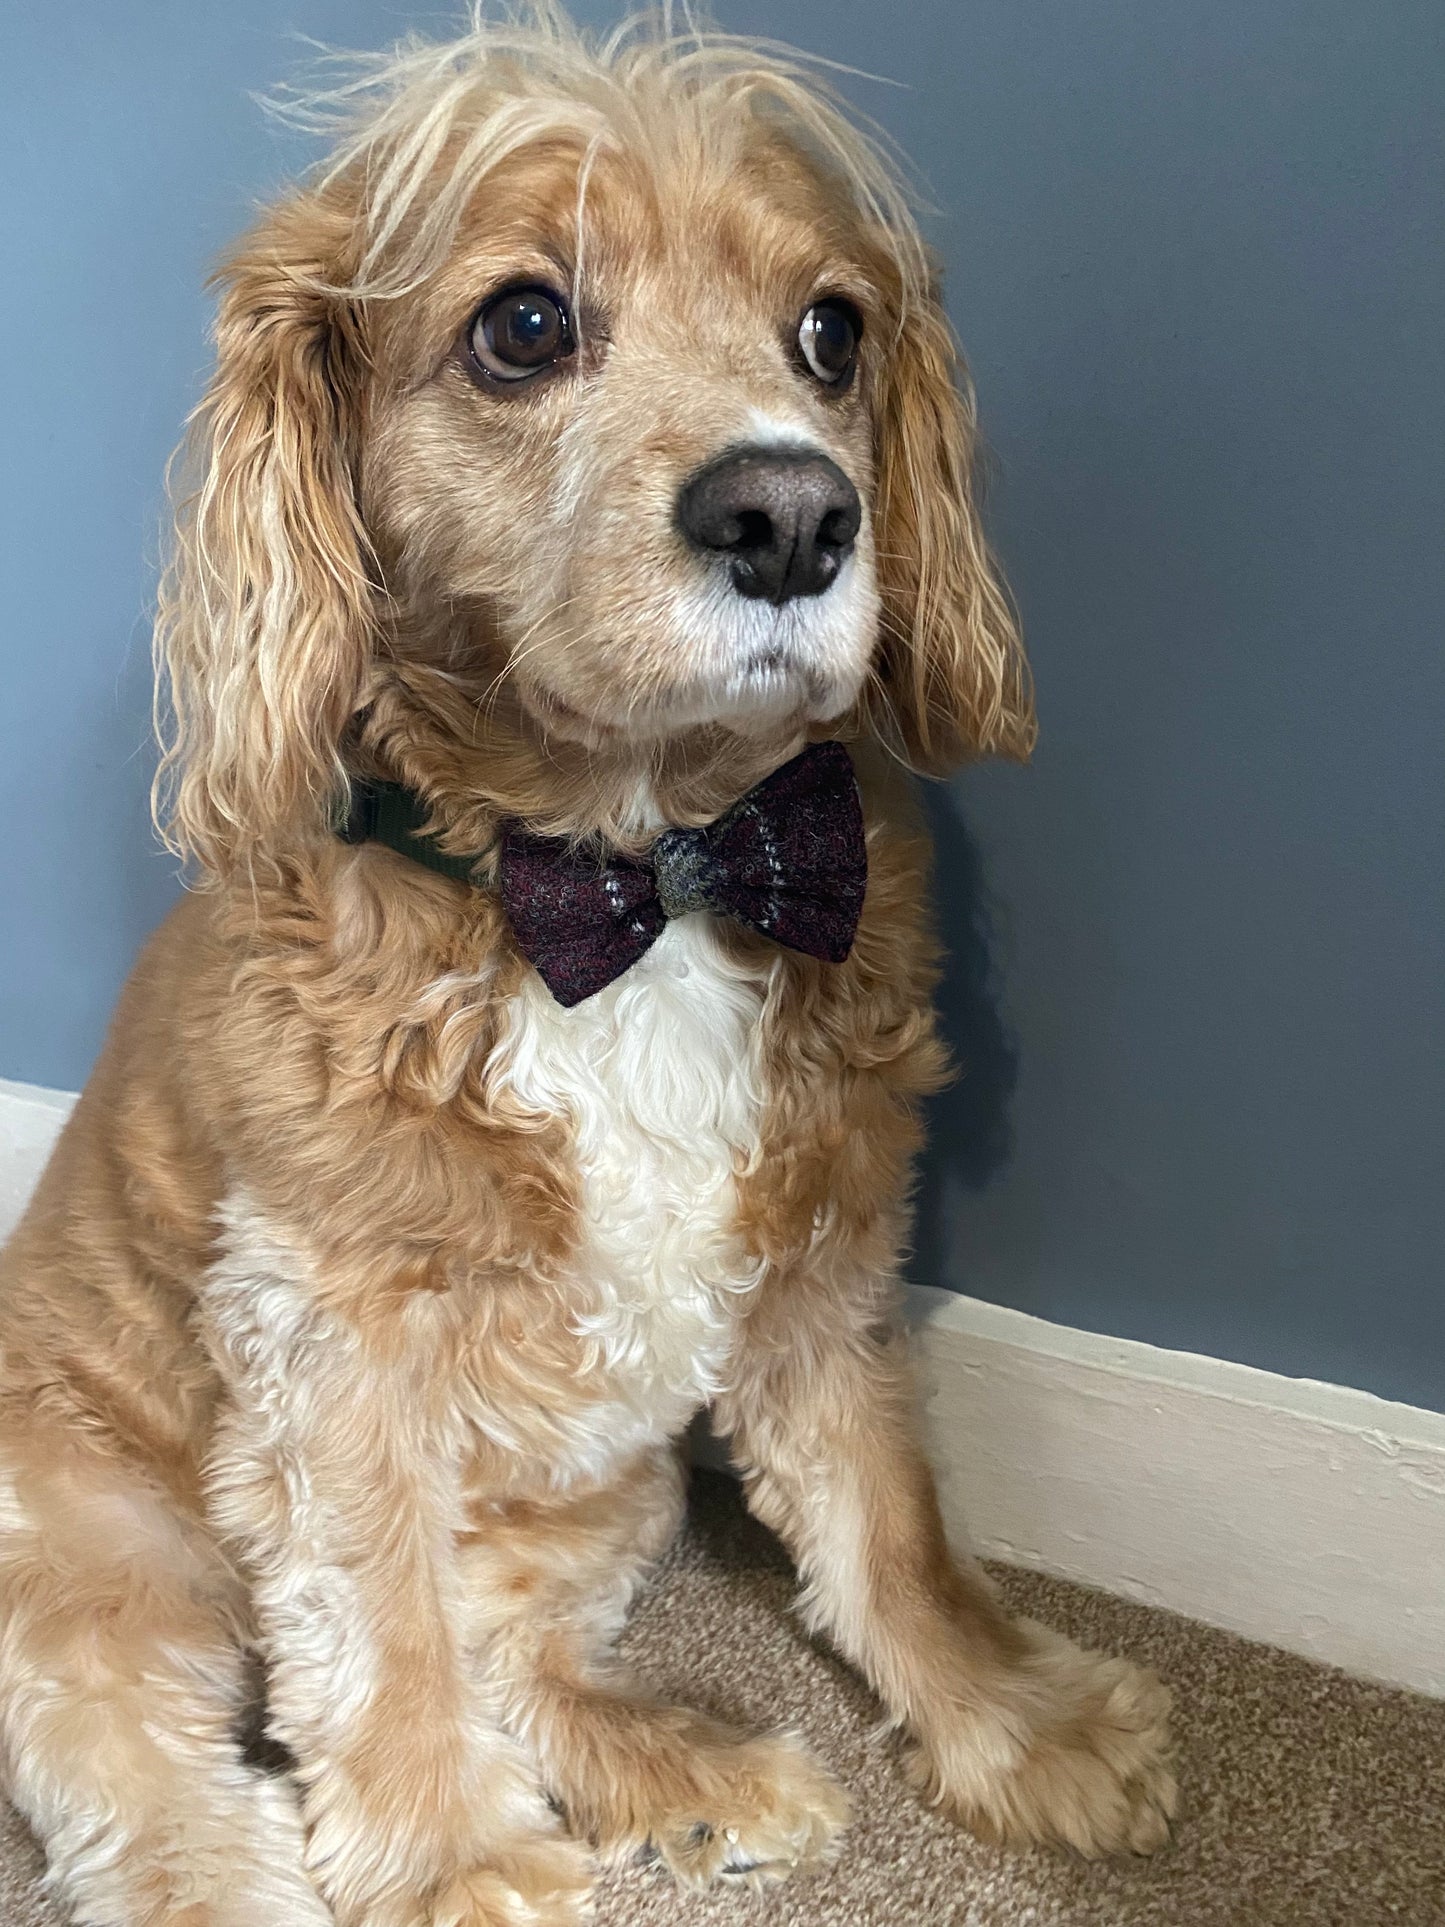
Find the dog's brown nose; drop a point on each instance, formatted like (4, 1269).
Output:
(787, 517)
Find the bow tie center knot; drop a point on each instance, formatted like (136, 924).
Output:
(682, 866)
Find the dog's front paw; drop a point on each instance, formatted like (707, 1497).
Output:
(771, 1810)
(1075, 1752)
(745, 1811)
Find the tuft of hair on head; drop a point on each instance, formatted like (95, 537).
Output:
(425, 122)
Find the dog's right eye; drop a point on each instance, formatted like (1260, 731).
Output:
(519, 333)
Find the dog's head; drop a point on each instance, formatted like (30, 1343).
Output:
(598, 395)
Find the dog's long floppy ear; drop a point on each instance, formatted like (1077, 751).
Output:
(952, 678)
(267, 607)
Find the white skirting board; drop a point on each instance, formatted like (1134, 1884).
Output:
(30, 1121)
(1308, 1515)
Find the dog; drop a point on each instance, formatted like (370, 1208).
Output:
(579, 554)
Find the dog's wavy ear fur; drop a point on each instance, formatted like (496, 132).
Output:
(952, 681)
(267, 607)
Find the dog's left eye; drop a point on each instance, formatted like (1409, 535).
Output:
(520, 332)
(828, 338)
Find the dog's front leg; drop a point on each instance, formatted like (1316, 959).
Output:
(1017, 1732)
(333, 1478)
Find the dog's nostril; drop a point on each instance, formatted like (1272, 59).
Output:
(785, 517)
(839, 528)
(755, 530)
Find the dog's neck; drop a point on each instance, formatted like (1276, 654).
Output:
(474, 763)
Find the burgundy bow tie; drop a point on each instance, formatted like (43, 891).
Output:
(788, 859)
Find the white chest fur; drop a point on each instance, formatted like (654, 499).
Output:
(658, 1076)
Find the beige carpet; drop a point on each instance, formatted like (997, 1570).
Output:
(1309, 1799)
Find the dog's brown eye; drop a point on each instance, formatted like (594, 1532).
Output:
(520, 332)
(828, 338)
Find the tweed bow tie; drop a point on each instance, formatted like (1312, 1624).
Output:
(788, 859)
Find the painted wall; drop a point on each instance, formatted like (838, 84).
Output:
(1194, 250)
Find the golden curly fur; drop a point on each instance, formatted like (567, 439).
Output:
(353, 1325)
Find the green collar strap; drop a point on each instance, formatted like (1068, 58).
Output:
(390, 813)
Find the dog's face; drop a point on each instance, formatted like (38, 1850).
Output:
(622, 392)
(649, 470)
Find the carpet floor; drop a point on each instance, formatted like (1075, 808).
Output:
(1309, 1799)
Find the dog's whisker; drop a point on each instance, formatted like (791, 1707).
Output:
(517, 651)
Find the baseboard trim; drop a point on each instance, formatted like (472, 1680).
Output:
(31, 1118)
(1308, 1515)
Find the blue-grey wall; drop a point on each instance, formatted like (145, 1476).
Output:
(1194, 250)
